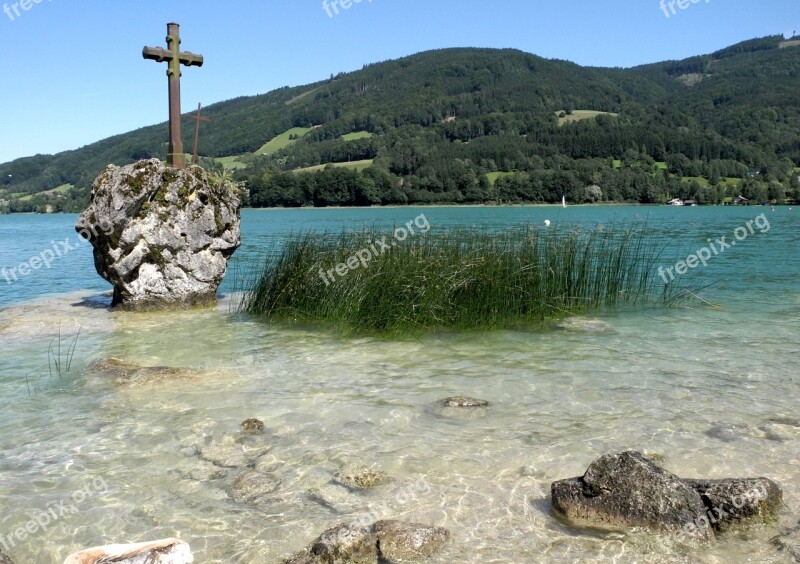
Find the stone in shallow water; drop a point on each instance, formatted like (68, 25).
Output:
(584, 325)
(788, 543)
(739, 502)
(730, 433)
(335, 498)
(207, 474)
(361, 478)
(401, 542)
(461, 407)
(622, 491)
(251, 486)
(627, 490)
(126, 373)
(232, 453)
(345, 544)
(167, 551)
(464, 401)
(162, 237)
(252, 426)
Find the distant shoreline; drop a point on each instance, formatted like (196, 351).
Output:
(487, 206)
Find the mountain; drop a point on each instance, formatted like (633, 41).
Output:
(484, 125)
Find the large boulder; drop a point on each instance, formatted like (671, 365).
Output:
(161, 236)
(167, 551)
(621, 491)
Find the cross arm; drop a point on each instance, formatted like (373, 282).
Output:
(190, 59)
(156, 54)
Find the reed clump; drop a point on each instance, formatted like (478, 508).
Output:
(463, 279)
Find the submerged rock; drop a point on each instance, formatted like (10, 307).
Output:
(361, 478)
(335, 498)
(739, 502)
(230, 452)
(161, 236)
(251, 486)
(622, 491)
(252, 426)
(126, 373)
(788, 542)
(401, 542)
(627, 490)
(584, 325)
(464, 401)
(461, 407)
(344, 544)
(167, 551)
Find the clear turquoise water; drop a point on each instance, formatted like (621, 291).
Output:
(713, 390)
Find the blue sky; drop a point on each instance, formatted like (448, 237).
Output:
(72, 72)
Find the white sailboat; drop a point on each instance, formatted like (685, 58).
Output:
(564, 201)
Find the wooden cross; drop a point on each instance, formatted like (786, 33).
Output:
(198, 118)
(175, 57)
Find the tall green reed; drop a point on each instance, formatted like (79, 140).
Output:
(462, 279)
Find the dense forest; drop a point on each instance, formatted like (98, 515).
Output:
(484, 126)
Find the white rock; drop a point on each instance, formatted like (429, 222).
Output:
(167, 551)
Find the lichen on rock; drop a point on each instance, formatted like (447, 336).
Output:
(362, 477)
(161, 236)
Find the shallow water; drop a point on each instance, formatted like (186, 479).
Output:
(711, 389)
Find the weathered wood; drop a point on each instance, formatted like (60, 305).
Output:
(175, 58)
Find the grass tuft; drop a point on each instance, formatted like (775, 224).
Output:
(463, 280)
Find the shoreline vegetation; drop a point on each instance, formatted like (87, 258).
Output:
(483, 205)
(456, 280)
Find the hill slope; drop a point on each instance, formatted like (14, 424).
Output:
(440, 121)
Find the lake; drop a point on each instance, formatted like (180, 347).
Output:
(711, 386)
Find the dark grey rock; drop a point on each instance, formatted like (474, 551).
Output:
(345, 544)
(253, 426)
(402, 542)
(161, 236)
(739, 502)
(464, 401)
(621, 491)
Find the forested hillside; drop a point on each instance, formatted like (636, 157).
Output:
(484, 126)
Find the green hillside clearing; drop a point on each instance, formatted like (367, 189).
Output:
(283, 140)
(355, 165)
